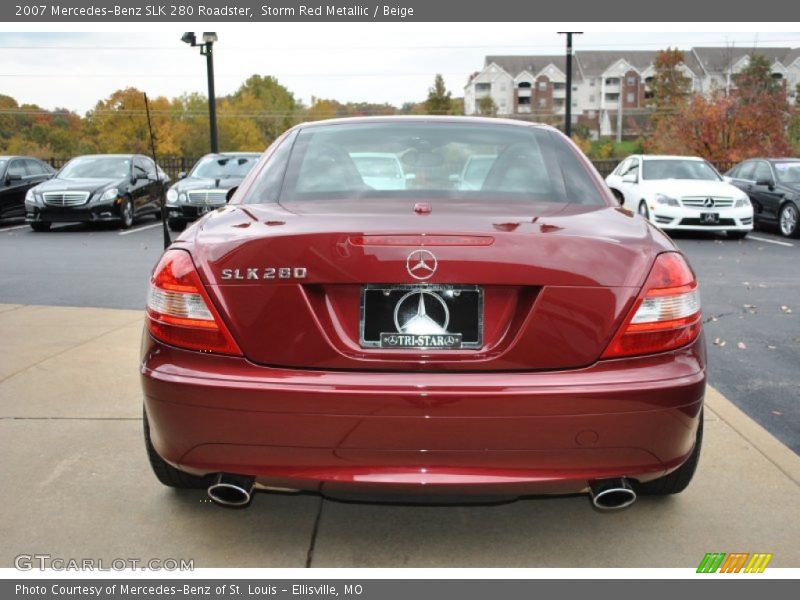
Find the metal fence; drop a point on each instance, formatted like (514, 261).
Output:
(173, 165)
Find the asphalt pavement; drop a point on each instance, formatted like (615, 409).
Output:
(750, 291)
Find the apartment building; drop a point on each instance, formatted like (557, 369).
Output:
(606, 84)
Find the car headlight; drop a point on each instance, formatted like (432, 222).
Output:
(172, 196)
(182, 197)
(30, 197)
(740, 202)
(668, 200)
(109, 194)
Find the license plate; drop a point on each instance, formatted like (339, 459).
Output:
(709, 218)
(429, 317)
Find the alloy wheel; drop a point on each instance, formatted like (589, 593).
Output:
(788, 220)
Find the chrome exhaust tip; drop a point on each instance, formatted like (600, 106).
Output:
(232, 490)
(612, 494)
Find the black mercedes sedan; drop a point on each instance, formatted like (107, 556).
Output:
(773, 185)
(206, 186)
(98, 188)
(18, 174)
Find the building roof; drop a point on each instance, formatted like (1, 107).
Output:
(595, 62)
(720, 60)
(514, 65)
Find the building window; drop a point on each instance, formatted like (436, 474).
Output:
(612, 97)
(483, 88)
(542, 85)
(591, 97)
(524, 100)
(542, 102)
(524, 85)
(631, 98)
(574, 88)
(612, 81)
(559, 86)
(631, 80)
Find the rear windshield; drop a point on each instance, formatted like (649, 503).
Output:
(426, 160)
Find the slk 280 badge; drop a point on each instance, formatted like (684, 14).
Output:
(265, 273)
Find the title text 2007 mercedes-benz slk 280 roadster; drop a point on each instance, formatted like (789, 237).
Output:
(524, 336)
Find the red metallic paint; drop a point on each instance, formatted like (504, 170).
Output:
(534, 410)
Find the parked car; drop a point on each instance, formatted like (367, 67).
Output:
(206, 186)
(681, 193)
(335, 338)
(474, 172)
(18, 174)
(98, 188)
(380, 170)
(773, 186)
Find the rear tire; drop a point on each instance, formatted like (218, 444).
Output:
(679, 479)
(41, 226)
(176, 224)
(737, 235)
(166, 473)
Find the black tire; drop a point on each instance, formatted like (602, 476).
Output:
(166, 473)
(643, 210)
(176, 224)
(41, 226)
(737, 235)
(789, 220)
(126, 214)
(679, 479)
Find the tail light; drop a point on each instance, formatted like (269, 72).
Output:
(179, 311)
(665, 316)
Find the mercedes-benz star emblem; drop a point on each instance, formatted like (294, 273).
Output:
(708, 202)
(421, 313)
(421, 264)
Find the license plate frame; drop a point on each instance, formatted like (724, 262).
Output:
(447, 293)
(709, 218)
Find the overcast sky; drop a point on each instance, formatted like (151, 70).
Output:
(375, 62)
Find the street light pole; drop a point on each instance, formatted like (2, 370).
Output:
(568, 111)
(207, 50)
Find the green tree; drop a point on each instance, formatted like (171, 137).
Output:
(272, 106)
(438, 101)
(670, 89)
(487, 107)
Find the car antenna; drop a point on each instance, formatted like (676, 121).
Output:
(167, 239)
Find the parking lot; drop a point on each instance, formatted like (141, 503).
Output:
(77, 482)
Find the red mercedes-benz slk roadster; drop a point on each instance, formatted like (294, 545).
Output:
(431, 306)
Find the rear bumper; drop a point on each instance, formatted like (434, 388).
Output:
(454, 433)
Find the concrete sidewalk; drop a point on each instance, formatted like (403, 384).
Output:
(76, 484)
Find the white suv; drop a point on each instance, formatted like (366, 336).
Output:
(681, 193)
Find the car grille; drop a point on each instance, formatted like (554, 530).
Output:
(65, 198)
(207, 196)
(700, 201)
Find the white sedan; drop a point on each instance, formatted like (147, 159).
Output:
(681, 193)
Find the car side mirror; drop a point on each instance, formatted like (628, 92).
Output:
(630, 178)
(182, 175)
(230, 194)
(766, 182)
(11, 177)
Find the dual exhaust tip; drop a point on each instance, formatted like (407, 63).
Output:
(236, 491)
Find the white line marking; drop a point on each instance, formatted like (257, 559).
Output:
(128, 231)
(13, 228)
(769, 241)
